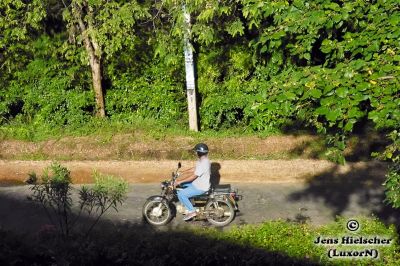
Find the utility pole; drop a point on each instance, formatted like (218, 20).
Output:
(190, 75)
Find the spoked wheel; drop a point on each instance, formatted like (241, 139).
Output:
(220, 212)
(157, 212)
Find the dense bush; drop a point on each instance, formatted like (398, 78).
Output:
(153, 94)
(53, 191)
(257, 66)
(392, 183)
(330, 65)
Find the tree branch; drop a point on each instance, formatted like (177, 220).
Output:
(77, 13)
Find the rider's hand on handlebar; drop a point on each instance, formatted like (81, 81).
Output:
(176, 183)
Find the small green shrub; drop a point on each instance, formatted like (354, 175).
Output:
(392, 183)
(107, 192)
(54, 192)
(392, 186)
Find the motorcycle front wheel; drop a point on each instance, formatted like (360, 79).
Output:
(157, 212)
(220, 212)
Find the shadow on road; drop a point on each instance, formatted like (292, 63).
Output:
(347, 192)
(10, 182)
(24, 239)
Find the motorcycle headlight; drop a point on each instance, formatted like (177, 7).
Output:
(164, 184)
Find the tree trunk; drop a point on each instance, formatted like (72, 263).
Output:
(93, 52)
(95, 64)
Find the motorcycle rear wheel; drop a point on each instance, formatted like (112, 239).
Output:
(220, 212)
(157, 212)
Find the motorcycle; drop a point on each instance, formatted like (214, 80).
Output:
(218, 205)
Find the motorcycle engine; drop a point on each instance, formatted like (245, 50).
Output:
(180, 208)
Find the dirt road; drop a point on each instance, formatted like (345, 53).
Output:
(304, 202)
(299, 190)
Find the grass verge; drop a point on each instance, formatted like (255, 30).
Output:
(156, 141)
(297, 240)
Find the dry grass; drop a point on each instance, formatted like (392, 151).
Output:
(138, 147)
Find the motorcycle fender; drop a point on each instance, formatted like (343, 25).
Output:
(220, 197)
(157, 197)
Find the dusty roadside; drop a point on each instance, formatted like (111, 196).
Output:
(140, 158)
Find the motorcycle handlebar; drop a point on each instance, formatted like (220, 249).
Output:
(175, 174)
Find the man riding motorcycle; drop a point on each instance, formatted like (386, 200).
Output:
(197, 182)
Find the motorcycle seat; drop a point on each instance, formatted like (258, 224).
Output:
(225, 188)
(222, 189)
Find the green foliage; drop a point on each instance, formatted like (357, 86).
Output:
(110, 24)
(392, 186)
(223, 87)
(19, 21)
(154, 94)
(107, 192)
(392, 183)
(60, 102)
(257, 65)
(368, 227)
(54, 192)
(296, 240)
(329, 73)
(392, 151)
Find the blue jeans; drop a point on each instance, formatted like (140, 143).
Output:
(188, 192)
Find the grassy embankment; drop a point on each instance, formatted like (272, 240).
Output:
(148, 140)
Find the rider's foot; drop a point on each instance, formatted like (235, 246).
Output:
(189, 216)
